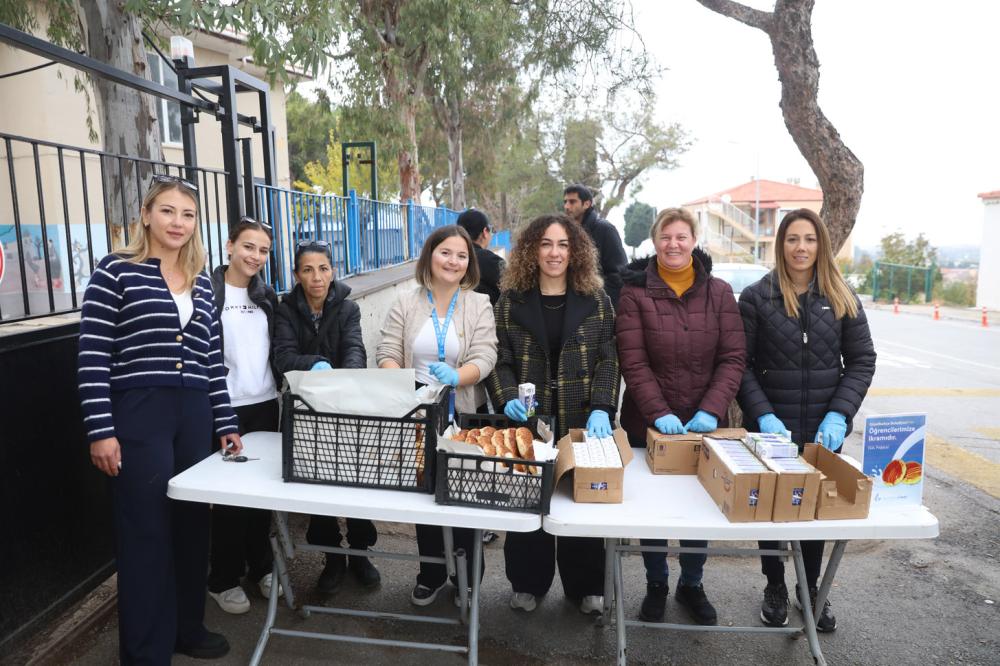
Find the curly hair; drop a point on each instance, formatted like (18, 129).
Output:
(583, 276)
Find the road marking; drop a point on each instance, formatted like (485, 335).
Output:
(936, 393)
(890, 360)
(992, 433)
(939, 355)
(967, 466)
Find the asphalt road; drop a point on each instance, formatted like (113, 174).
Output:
(897, 602)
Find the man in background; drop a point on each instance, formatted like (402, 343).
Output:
(490, 264)
(578, 203)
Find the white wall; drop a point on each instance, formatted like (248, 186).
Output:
(374, 309)
(988, 291)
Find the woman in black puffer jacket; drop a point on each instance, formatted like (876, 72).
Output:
(318, 328)
(810, 360)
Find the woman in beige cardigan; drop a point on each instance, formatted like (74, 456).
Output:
(445, 331)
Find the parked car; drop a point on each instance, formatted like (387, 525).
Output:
(739, 276)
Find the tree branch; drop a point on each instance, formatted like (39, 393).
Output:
(754, 18)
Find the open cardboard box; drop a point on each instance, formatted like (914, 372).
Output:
(743, 497)
(603, 485)
(678, 454)
(845, 491)
(795, 493)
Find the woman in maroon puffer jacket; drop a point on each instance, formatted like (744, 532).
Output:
(681, 349)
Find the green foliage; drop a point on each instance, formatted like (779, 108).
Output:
(961, 294)
(639, 219)
(309, 126)
(897, 250)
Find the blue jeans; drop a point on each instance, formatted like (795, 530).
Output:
(692, 564)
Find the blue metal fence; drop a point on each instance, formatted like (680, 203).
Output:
(364, 234)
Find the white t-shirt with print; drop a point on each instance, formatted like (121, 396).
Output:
(247, 347)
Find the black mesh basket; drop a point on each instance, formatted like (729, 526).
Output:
(491, 482)
(365, 451)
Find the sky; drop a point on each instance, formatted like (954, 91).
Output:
(912, 87)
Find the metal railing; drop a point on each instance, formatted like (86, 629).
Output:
(364, 234)
(63, 208)
(725, 246)
(734, 215)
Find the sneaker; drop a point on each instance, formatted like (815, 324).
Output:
(774, 608)
(826, 622)
(423, 595)
(655, 604)
(332, 575)
(592, 604)
(693, 598)
(523, 601)
(210, 646)
(265, 586)
(234, 600)
(489, 537)
(364, 572)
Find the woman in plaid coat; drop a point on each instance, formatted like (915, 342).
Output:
(556, 329)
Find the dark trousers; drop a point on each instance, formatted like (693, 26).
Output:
(161, 545)
(774, 568)
(430, 543)
(325, 531)
(241, 536)
(692, 564)
(531, 557)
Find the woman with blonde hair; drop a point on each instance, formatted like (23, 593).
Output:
(153, 395)
(556, 330)
(810, 361)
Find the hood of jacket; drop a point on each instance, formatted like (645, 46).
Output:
(256, 291)
(635, 273)
(336, 295)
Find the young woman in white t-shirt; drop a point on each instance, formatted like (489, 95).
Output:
(246, 306)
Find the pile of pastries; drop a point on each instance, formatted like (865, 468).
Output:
(516, 443)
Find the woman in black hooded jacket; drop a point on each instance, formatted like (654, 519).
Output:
(810, 361)
(318, 328)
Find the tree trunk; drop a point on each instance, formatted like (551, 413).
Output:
(409, 169)
(839, 171)
(128, 118)
(448, 115)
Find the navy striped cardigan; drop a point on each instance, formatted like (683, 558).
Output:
(130, 337)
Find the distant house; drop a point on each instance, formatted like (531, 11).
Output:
(731, 227)
(988, 291)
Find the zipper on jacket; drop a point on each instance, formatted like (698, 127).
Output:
(803, 403)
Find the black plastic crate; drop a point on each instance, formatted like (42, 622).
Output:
(363, 451)
(491, 488)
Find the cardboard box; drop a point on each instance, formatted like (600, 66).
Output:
(603, 485)
(743, 497)
(795, 493)
(678, 454)
(845, 491)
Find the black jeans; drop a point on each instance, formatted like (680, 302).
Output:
(772, 566)
(430, 543)
(240, 536)
(531, 557)
(325, 531)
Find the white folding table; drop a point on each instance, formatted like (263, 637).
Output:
(678, 507)
(257, 484)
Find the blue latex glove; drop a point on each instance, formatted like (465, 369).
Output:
(515, 411)
(832, 430)
(772, 424)
(444, 373)
(321, 365)
(669, 424)
(702, 422)
(599, 424)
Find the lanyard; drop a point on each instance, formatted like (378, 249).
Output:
(442, 331)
